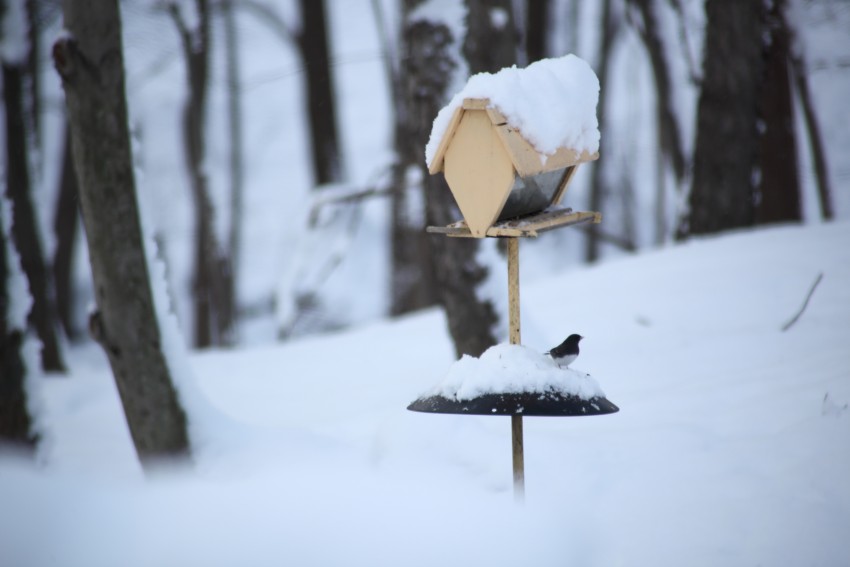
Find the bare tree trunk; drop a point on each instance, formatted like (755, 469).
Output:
(779, 187)
(24, 226)
(491, 36)
(471, 319)
(33, 72)
(537, 29)
(311, 40)
(321, 104)
(670, 141)
(65, 228)
(412, 282)
(813, 132)
(661, 224)
(212, 276)
(726, 156)
(670, 150)
(15, 420)
(89, 60)
(458, 274)
(598, 185)
(573, 27)
(234, 115)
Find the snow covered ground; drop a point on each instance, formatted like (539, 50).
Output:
(732, 446)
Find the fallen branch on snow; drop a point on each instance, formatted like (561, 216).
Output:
(805, 303)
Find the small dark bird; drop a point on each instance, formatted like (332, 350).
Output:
(566, 352)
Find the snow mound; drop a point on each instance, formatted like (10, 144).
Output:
(513, 369)
(552, 102)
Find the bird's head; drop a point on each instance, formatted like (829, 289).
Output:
(574, 338)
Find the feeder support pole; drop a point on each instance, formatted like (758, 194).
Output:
(513, 291)
(514, 331)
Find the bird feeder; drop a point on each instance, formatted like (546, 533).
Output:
(494, 173)
(506, 188)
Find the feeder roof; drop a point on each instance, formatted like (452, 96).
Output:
(525, 158)
(545, 114)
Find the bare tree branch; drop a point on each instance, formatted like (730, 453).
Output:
(269, 16)
(668, 126)
(693, 67)
(801, 85)
(793, 320)
(613, 239)
(182, 27)
(391, 65)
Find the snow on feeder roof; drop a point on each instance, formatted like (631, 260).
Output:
(510, 142)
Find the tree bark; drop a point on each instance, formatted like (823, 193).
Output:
(670, 154)
(726, 156)
(24, 228)
(34, 72)
(670, 141)
(815, 139)
(312, 43)
(598, 185)
(234, 120)
(779, 187)
(65, 222)
(491, 36)
(15, 421)
(212, 285)
(89, 60)
(536, 29)
(412, 282)
(321, 104)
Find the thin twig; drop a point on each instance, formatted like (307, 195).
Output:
(805, 303)
(623, 243)
(269, 16)
(684, 38)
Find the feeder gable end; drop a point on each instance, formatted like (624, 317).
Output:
(479, 171)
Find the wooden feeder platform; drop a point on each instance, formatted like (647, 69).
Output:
(527, 226)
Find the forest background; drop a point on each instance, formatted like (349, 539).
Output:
(276, 152)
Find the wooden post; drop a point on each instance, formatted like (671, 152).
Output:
(513, 291)
(514, 330)
(519, 459)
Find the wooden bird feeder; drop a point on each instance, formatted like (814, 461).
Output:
(505, 188)
(494, 172)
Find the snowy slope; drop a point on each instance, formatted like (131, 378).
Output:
(731, 446)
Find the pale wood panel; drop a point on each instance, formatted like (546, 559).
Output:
(476, 103)
(526, 159)
(565, 157)
(478, 170)
(437, 162)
